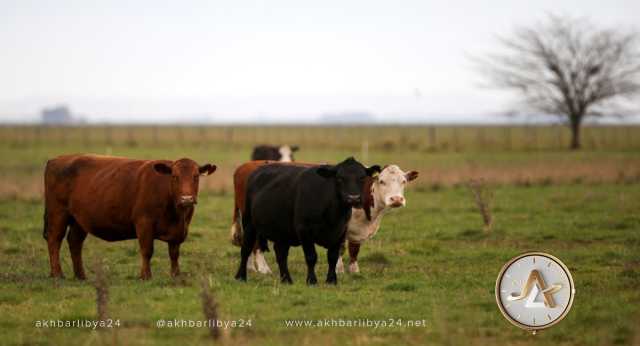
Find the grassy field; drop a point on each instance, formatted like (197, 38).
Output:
(430, 261)
(611, 155)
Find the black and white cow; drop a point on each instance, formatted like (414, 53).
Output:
(386, 193)
(282, 153)
(293, 206)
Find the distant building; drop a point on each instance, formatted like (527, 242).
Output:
(59, 115)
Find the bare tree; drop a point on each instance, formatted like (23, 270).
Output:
(568, 68)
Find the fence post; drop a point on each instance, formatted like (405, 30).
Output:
(85, 135)
(480, 136)
(229, 135)
(154, 134)
(107, 135)
(455, 143)
(62, 134)
(432, 138)
(365, 151)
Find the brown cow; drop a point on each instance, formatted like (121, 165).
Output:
(117, 199)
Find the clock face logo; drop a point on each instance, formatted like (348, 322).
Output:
(534, 290)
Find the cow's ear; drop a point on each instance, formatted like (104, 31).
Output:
(294, 148)
(162, 168)
(411, 175)
(372, 170)
(326, 171)
(207, 169)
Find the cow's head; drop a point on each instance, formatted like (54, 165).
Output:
(349, 177)
(286, 153)
(388, 187)
(185, 175)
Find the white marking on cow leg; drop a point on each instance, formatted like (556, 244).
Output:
(353, 267)
(339, 265)
(263, 267)
(251, 265)
(234, 231)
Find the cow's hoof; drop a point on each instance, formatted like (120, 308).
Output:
(81, 277)
(56, 276)
(332, 280)
(339, 266)
(354, 268)
(263, 267)
(264, 270)
(236, 240)
(242, 278)
(312, 281)
(286, 280)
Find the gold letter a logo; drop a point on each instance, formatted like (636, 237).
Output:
(535, 284)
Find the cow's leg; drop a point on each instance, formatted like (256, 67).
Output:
(332, 258)
(144, 231)
(251, 262)
(261, 262)
(340, 264)
(236, 235)
(76, 238)
(248, 242)
(311, 257)
(174, 254)
(56, 228)
(354, 249)
(282, 254)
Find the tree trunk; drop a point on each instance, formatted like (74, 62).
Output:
(575, 133)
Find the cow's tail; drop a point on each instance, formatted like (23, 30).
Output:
(236, 228)
(45, 230)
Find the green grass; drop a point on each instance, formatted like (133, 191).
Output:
(430, 261)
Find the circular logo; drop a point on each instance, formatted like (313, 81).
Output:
(534, 290)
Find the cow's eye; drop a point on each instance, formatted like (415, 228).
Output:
(382, 182)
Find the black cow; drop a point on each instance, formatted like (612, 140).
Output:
(282, 153)
(293, 205)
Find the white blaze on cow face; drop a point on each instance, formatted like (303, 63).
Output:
(389, 186)
(286, 154)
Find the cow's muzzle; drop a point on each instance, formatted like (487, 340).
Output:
(396, 201)
(353, 200)
(187, 201)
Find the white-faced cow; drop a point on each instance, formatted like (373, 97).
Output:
(282, 153)
(293, 205)
(387, 192)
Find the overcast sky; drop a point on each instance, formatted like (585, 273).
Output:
(277, 60)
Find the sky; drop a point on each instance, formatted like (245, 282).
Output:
(276, 60)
